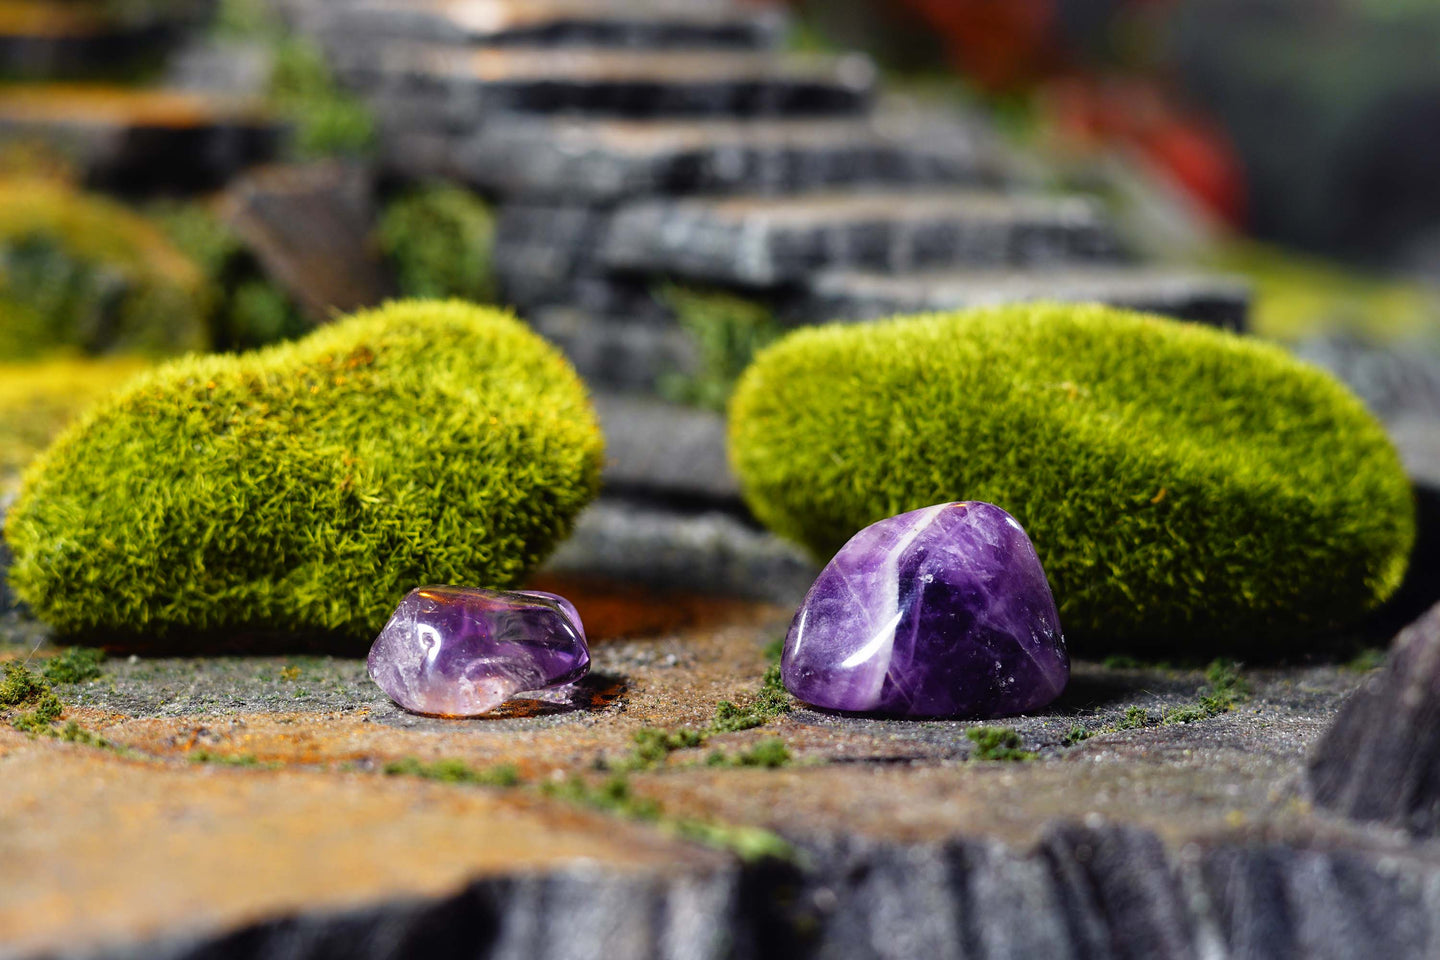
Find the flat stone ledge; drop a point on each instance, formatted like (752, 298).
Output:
(599, 161)
(707, 551)
(440, 86)
(665, 449)
(1215, 300)
(768, 242)
(551, 23)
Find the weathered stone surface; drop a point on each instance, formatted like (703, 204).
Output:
(1398, 380)
(665, 449)
(553, 23)
(617, 353)
(764, 242)
(1183, 840)
(132, 138)
(1380, 760)
(703, 549)
(50, 40)
(842, 295)
(309, 228)
(428, 86)
(594, 161)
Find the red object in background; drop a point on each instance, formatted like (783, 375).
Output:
(1002, 44)
(1134, 113)
(1008, 46)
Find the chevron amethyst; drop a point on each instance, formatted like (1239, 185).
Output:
(940, 612)
(461, 651)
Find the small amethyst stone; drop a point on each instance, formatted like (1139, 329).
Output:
(459, 651)
(940, 612)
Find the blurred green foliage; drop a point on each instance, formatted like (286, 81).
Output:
(728, 330)
(327, 121)
(439, 238)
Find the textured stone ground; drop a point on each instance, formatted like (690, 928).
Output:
(159, 838)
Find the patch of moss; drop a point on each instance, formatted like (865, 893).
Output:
(223, 759)
(771, 702)
(455, 771)
(998, 744)
(728, 330)
(654, 745)
(21, 689)
(615, 796)
(1185, 488)
(1371, 658)
(74, 665)
(1076, 734)
(81, 272)
(304, 488)
(439, 238)
(770, 753)
(1135, 718)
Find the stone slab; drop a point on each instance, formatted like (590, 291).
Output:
(433, 87)
(132, 138)
(709, 551)
(45, 39)
(617, 353)
(664, 449)
(309, 226)
(1179, 840)
(553, 23)
(1380, 759)
(602, 161)
(768, 242)
(842, 295)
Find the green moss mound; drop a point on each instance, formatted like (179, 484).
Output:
(1185, 488)
(304, 488)
(80, 272)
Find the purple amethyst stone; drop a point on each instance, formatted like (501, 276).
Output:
(460, 651)
(940, 612)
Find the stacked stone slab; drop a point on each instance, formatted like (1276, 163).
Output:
(119, 136)
(632, 143)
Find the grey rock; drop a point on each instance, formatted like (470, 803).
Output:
(665, 450)
(1091, 891)
(765, 242)
(141, 139)
(235, 69)
(598, 161)
(553, 23)
(706, 551)
(1380, 759)
(1394, 380)
(540, 253)
(309, 228)
(438, 87)
(617, 353)
(844, 295)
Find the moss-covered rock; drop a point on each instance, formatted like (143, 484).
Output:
(78, 271)
(1185, 488)
(304, 488)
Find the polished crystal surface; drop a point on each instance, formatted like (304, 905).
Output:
(461, 651)
(938, 612)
